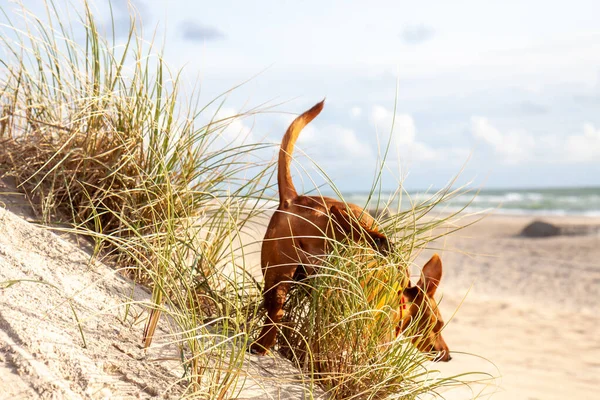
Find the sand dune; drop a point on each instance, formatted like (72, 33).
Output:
(42, 352)
(44, 355)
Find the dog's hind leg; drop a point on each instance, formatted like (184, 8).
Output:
(274, 293)
(279, 275)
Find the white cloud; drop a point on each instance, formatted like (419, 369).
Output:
(325, 153)
(585, 147)
(231, 129)
(355, 112)
(340, 144)
(331, 146)
(513, 146)
(403, 134)
(403, 124)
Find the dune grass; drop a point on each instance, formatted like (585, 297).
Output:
(102, 140)
(340, 323)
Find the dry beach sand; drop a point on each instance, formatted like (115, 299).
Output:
(530, 306)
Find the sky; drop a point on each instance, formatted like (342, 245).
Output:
(505, 92)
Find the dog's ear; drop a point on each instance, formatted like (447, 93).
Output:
(410, 292)
(357, 229)
(432, 275)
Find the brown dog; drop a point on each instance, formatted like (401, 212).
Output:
(419, 313)
(298, 232)
(418, 316)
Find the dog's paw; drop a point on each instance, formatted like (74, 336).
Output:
(257, 350)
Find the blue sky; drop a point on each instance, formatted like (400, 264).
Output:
(512, 86)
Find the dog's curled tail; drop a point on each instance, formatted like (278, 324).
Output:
(287, 191)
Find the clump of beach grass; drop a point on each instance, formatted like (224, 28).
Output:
(102, 139)
(341, 323)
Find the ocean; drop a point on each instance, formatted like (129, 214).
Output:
(551, 201)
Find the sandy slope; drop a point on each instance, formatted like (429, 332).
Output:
(42, 352)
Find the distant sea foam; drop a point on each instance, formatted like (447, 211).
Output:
(555, 201)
